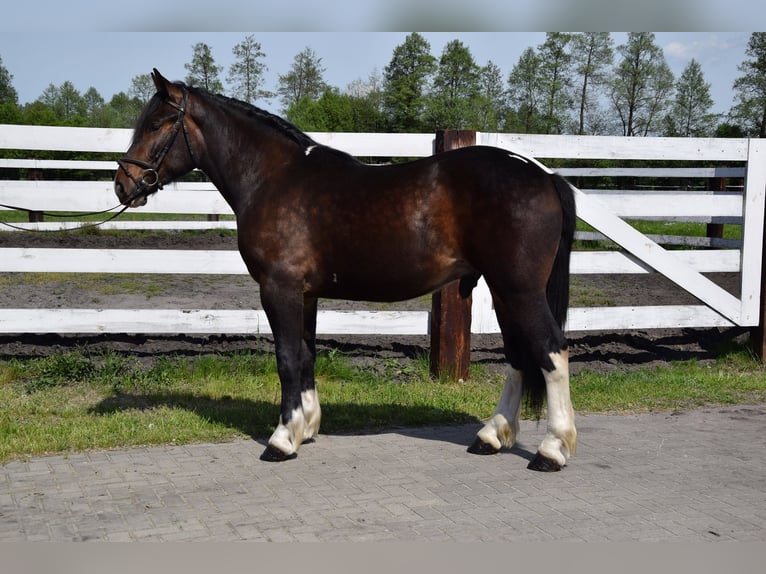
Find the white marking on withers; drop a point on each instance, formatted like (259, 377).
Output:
(503, 428)
(560, 441)
(545, 168)
(310, 149)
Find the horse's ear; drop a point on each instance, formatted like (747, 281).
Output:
(160, 82)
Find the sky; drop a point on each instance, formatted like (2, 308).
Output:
(45, 42)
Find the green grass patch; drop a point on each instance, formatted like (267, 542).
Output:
(80, 400)
(97, 283)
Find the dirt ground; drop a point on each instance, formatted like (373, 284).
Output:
(598, 351)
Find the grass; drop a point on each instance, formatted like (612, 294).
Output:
(97, 283)
(77, 401)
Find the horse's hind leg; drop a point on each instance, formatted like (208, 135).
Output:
(503, 427)
(560, 440)
(537, 352)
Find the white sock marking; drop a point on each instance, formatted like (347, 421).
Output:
(560, 441)
(502, 429)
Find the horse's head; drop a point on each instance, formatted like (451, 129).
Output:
(157, 155)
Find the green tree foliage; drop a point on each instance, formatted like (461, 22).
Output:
(66, 103)
(94, 108)
(524, 95)
(690, 114)
(202, 70)
(9, 98)
(246, 73)
(336, 112)
(555, 79)
(406, 80)
(142, 87)
(123, 111)
(8, 94)
(568, 84)
(455, 89)
(592, 57)
(304, 80)
(641, 84)
(491, 104)
(750, 88)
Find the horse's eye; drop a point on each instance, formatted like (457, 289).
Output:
(155, 126)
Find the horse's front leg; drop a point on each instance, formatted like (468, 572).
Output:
(285, 311)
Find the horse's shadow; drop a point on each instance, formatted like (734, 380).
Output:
(255, 418)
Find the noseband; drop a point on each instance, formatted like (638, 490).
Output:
(149, 180)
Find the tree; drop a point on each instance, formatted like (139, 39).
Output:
(142, 87)
(555, 81)
(524, 94)
(8, 94)
(246, 73)
(690, 114)
(304, 80)
(491, 103)
(335, 112)
(592, 55)
(94, 106)
(202, 70)
(368, 95)
(9, 98)
(406, 80)
(750, 88)
(455, 89)
(123, 111)
(65, 102)
(641, 84)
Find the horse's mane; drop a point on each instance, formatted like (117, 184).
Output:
(262, 116)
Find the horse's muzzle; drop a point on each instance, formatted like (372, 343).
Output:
(135, 199)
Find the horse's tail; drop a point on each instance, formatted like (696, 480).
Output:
(557, 290)
(558, 282)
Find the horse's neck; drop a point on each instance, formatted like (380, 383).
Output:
(231, 159)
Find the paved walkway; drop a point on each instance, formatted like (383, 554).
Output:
(694, 475)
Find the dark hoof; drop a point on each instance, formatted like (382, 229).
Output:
(543, 464)
(273, 454)
(481, 447)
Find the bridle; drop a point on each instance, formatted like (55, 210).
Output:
(149, 180)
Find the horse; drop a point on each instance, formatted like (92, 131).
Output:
(314, 222)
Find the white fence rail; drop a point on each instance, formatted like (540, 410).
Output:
(606, 211)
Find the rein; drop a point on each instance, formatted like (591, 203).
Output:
(148, 182)
(66, 215)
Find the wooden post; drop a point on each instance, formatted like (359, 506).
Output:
(450, 313)
(715, 230)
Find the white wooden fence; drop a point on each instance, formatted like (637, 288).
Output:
(605, 211)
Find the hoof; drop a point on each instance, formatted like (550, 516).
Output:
(273, 454)
(481, 447)
(543, 464)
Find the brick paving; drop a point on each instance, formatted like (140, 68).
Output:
(697, 475)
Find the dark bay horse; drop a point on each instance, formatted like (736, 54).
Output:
(314, 222)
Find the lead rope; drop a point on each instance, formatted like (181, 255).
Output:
(81, 226)
(120, 206)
